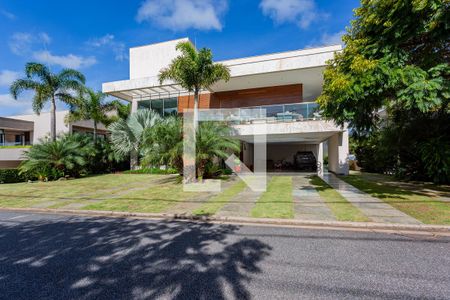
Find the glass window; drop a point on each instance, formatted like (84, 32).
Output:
(144, 104)
(170, 107)
(165, 107)
(157, 105)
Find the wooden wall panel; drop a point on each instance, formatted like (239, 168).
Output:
(260, 96)
(205, 101)
(245, 98)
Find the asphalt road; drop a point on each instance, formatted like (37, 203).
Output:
(67, 257)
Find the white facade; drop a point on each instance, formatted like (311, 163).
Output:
(303, 67)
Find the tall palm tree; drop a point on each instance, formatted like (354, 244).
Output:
(127, 135)
(48, 87)
(91, 106)
(194, 70)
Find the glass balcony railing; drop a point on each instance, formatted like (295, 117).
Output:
(293, 112)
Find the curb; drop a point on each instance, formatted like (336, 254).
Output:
(432, 229)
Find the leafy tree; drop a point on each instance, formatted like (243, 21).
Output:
(123, 110)
(391, 83)
(48, 87)
(91, 105)
(396, 57)
(194, 70)
(127, 135)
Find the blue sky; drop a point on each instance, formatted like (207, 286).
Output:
(94, 36)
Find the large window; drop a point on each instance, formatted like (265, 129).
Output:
(165, 107)
(2, 137)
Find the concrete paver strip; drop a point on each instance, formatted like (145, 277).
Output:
(308, 205)
(372, 207)
(240, 205)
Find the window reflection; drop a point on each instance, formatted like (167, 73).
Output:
(164, 107)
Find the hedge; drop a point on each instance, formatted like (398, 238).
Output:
(11, 176)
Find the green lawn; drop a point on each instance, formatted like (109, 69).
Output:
(418, 200)
(128, 192)
(341, 208)
(215, 203)
(277, 201)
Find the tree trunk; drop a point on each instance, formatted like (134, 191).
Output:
(95, 132)
(133, 160)
(53, 119)
(196, 96)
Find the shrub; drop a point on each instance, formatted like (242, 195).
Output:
(151, 171)
(11, 176)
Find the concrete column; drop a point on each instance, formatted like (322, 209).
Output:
(134, 105)
(338, 151)
(320, 159)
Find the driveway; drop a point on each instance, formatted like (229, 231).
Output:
(66, 257)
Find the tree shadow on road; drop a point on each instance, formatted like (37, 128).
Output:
(123, 259)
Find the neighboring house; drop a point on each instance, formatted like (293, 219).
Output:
(17, 133)
(285, 84)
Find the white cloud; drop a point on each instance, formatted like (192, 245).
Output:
(7, 77)
(328, 39)
(21, 43)
(109, 41)
(10, 105)
(8, 14)
(66, 61)
(183, 14)
(300, 12)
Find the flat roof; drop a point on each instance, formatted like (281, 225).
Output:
(245, 67)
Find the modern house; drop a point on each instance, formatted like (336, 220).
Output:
(17, 133)
(285, 85)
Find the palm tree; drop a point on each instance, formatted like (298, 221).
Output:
(48, 87)
(91, 106)
(194, 70)
(123, 110)
(163, 144)
(127, 135)
(213, 141)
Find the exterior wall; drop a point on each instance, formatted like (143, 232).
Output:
(206, 100)
(42, 124)
(147, 61)
(9, 164)
(338, 151)
(11, 154)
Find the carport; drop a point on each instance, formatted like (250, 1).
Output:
(284, 140)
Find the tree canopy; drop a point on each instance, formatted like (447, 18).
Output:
(391, 84)
(396, 57)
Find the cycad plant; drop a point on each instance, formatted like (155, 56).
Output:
(90, 105)
(52, 159)
(127, 135)
(48, 87)
(194, 70)
(213, 141)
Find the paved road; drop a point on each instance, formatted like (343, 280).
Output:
(67, 257)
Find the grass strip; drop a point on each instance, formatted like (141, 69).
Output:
(413, 202)
(214, 204)
(276, 201)
(339, 206)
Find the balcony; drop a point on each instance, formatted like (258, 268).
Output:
(293, 112)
